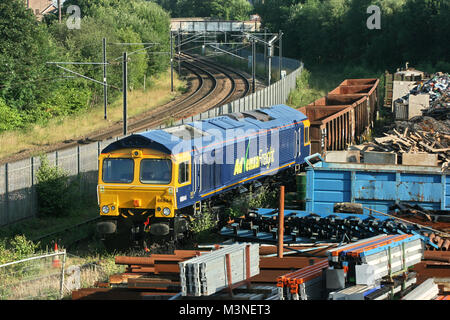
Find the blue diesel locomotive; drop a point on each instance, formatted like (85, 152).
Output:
(154, 182)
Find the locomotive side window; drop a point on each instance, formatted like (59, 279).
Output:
(156, 171)
(118, 170)
(183, 172)
(307, 140)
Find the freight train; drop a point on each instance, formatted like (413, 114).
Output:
(152, 184)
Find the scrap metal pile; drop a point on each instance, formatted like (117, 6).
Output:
(437, 88)
(377, 268)
(382, 267)
(428, 130)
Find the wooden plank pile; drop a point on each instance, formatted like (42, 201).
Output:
(405, 140)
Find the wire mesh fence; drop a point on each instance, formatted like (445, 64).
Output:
(35, 278)
(51, 276)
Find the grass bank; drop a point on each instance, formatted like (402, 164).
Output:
(75, 126)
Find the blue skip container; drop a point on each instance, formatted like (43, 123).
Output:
(375, 186)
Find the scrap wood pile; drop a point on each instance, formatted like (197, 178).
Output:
(429, 133)
(422, 135)
(419, 135)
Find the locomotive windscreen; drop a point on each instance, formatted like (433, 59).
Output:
(118, 170)
(156, 171)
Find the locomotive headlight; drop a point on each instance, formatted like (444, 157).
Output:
(166, 211)
(105, 209)
(170, 190)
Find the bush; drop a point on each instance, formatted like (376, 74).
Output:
(202, 222)
(303, 93)
(53, 189)
(9, 118)
(16, 248)
(262, 197)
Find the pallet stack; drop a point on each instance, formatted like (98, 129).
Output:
(388, 89)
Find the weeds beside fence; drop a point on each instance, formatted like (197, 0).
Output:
(35, 278)
(52, 276)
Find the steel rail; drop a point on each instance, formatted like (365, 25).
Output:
(409, 222)
(219, 67)
(66, 229)
(182, 107)
(233, 84)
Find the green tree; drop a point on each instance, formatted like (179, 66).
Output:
(231, 9)
(24, 50)
(335, 31)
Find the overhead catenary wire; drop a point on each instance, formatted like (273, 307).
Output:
(133, 43)
(85, 63)
(80, 75)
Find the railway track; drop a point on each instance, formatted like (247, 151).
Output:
(239, 83)
(210, 85)
(70, 241)
(217, 86)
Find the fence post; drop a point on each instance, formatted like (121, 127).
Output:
(61, 287)
(78, 160)
(6, 193)
(32, 188)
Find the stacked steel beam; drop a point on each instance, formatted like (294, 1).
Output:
(427, 290)
(379, 256)
(303, 284)
(381, 291)
(375, 268)
(220, 269)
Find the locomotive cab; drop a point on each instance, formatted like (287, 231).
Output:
(137, 191)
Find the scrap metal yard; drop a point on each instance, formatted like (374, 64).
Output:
(225, 158)
(367, 222)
